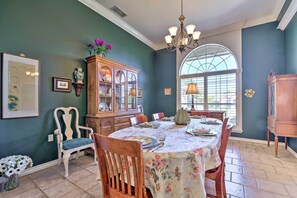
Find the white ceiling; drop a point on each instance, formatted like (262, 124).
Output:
(149, 20)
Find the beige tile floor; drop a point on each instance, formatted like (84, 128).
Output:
(252, 171)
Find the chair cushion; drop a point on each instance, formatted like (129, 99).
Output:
(77, 142)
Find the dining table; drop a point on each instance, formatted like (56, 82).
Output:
(175, 166)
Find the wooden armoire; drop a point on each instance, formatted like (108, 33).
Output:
(282, 107)
(111, 95)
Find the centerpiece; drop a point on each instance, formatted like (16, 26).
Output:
(99, 48)
(10, 168)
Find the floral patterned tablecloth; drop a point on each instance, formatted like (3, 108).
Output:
(176, 170)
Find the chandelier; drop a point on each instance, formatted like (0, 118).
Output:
(181, 38)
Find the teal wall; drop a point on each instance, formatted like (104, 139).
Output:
(56, 33)
(165, 77)
(262, 52)
(291, 59)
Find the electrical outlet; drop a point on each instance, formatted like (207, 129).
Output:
(50, 138)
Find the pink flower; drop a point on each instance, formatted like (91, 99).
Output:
(109, 46)
(99, 42)
(91, 46)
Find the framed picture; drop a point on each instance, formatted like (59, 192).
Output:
(167, 91)
(139, 93)
(61, 84)
(20, 86)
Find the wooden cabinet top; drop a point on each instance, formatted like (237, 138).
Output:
(102, 60)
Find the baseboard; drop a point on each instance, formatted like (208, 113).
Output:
(46, 165)
(264, 142)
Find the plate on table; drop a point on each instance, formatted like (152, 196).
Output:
(211, 122)
(147, 142)
(166, 119)
(202, 133)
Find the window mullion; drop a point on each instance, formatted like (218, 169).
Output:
(205, 106)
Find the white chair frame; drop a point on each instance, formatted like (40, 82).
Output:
(68, 133)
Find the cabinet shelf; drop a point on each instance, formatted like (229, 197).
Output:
(105, 83)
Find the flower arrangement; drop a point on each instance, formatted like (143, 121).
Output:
(14, 165)
(99, 48)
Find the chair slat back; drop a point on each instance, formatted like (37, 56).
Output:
(67, 118)
(155, 116)
(193, 113)
(226, 131)
(133, 121)
(119, 162)
(141, 118)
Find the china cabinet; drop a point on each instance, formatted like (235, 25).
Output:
(111, 95)
(282, 107)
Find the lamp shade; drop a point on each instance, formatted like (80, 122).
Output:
(192, 88)
(168, 39)
(132, 92)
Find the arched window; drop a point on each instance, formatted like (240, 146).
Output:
(214, 68)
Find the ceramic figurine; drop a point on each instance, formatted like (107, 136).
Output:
(78, 75)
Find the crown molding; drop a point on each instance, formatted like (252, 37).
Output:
(97, 7)
(292, 9)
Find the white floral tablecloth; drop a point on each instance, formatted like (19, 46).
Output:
(177, 170)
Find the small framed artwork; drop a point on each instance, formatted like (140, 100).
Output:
(20, 86)
(139, 93)
(61, 84)
(167, 91)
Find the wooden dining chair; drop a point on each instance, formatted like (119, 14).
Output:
(141, 118)
(119, 162)
(161, 115)
(155, 116)
(133, 121)
(218, 174)
(199, 113)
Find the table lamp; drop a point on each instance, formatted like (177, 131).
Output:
(192, 89)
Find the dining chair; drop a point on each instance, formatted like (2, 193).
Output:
(121, 166)
(67, 140)
(133, 121)
(199, 113)
(161, 115)
(155, 116)
(218, 174)
(141, 118)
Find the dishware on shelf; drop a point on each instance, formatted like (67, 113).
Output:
(107, 78)
(102, 106)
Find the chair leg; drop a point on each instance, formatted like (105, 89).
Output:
(224, 189)
(59, 157)
(66, 162)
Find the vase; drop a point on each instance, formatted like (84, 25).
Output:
(9, 183)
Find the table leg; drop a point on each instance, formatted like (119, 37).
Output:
(268, 138)
(286, 143)
(276, 145)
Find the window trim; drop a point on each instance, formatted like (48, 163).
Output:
(238, 71)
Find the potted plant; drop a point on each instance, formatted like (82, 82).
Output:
(10, 168)
(98, 48)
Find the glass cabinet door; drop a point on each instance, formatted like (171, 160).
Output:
(132, 91)
(105, 89)
(120, 87)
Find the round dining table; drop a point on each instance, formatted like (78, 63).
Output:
(176, 167)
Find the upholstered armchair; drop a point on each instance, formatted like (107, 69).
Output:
(70, 141)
